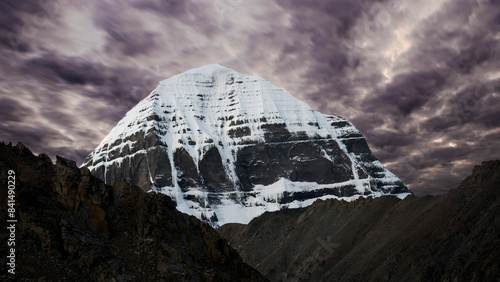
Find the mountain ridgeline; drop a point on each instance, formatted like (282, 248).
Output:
(72, 227)
(228, 147)
(451, 237)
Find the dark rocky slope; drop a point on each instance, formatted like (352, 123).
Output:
(71, 226)
(453, 237)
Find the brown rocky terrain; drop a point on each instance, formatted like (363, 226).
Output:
(452, 237)
(73, 227)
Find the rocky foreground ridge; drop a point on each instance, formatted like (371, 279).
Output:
(452, 237)
(73, 227)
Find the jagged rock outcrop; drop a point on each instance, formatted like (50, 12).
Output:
(71, 226)
(452, 237)
(228, 147)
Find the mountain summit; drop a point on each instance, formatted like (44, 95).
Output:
(228, 146)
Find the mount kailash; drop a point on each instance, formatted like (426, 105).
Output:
(227, 147)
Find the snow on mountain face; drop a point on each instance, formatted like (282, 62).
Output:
(227, 147)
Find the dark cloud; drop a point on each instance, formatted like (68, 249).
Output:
(408, 92)
(12, 23)
(60, 118)
(477, 104)
(126, 33)
(37, 137)
(22, 21)
(115, 85)
(339, 16)
(391, 140)
(13, 111)
(173, 8)
(132, 44)
(126, 36)
(71, 70)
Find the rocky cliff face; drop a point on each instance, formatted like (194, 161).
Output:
(71, 226)
(453, 237)
(228, 147)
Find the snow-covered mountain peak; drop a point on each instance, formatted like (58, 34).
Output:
(212, 73)
(228, 146)
(209, 69)
(223, 95)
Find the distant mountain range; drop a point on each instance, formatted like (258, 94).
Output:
(227, 147)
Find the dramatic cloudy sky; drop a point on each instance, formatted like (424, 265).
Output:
(420, 79)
